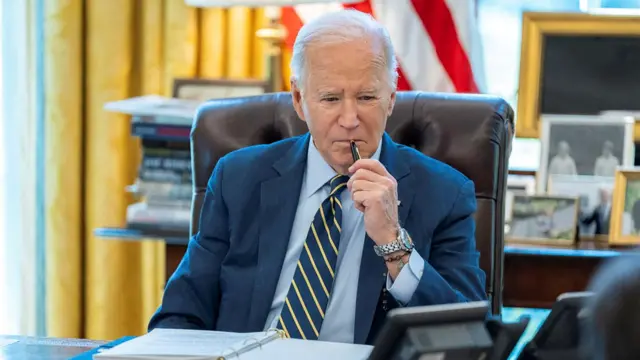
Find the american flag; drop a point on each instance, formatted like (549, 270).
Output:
(437, 41)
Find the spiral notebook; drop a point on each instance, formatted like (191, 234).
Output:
(189, 345)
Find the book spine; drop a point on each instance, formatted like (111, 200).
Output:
(161, 132)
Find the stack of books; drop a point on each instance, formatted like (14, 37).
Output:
(163, 186)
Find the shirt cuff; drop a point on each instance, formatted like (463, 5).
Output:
(407, 281)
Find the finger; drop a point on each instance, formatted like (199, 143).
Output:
(367, 175)
(358, 200)
(365, 185)
(369, 164)
(366, 198)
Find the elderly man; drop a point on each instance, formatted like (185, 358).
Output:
(294, 235)
(606, 164)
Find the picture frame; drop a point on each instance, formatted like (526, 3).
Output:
(517, 184)
(208, 89)
(543, 51)
(625, 208)
(588, 190)
(548, 220)
(585, 138)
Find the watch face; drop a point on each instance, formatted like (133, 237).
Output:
(406, 240)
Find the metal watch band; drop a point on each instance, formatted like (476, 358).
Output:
(386, 249)
(400, 244)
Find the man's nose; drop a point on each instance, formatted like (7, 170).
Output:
(349, 114)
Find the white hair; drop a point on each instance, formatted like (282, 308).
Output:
(342, 26)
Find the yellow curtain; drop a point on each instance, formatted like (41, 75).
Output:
(101, 51)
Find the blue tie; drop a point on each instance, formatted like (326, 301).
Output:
(310, 289)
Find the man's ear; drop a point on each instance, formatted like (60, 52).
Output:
(392, 103)
(296, 95)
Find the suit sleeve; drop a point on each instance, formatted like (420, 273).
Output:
(452, 272)
(192, 296)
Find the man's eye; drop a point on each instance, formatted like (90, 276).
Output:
(367, 98)
(330, 99)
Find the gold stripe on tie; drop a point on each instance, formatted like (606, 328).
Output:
(337, 187)
(326, 228)
(286, 332)
(313, 263)
(338, 202)
(304, 307)
(295, 320)
(326, 261)
(313, 293)
(333, 210)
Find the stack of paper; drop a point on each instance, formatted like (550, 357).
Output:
(155, 105)
(216, 345)
(188, 344)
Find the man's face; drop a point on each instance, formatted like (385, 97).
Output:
(563, 149)
(345, 96)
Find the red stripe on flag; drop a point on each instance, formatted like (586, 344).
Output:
(364, 6)
(440, 26)
(403, 82)
(292, 22)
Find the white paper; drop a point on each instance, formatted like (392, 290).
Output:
(5, 342)
(155, 105)
(294, 349)
(183, 343)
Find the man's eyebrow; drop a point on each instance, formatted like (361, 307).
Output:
(328, 92)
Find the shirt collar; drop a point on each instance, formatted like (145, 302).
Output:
(318, 172)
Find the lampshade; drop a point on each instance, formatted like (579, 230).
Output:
(259, 3)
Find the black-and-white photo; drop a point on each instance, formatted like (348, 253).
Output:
(584, 145)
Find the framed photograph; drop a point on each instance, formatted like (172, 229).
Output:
(625, 208)
(517, 184)
(594, 193)
(584, 145)
(543, 220)
(576, 63)
(208, 89)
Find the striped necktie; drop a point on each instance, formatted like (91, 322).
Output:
(312, 283)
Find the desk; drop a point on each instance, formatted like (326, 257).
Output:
(534, 277)
(28, 348)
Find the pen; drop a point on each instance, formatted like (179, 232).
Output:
(354, 151)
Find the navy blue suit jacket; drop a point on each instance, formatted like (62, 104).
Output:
(227, 278)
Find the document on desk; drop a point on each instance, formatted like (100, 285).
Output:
(188, 345)
(216, 345)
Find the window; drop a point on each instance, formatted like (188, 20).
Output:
(3, 188)
(21, 266)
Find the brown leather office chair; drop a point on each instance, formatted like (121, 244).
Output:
(472, 133)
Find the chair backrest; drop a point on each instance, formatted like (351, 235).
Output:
(472, 133)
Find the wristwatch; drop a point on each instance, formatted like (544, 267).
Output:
(401, 243)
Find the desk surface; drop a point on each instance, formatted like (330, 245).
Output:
(27, 348)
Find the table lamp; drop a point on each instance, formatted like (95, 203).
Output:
(274, 33)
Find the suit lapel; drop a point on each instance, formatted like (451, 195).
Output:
(373, 271)
(278, 204)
